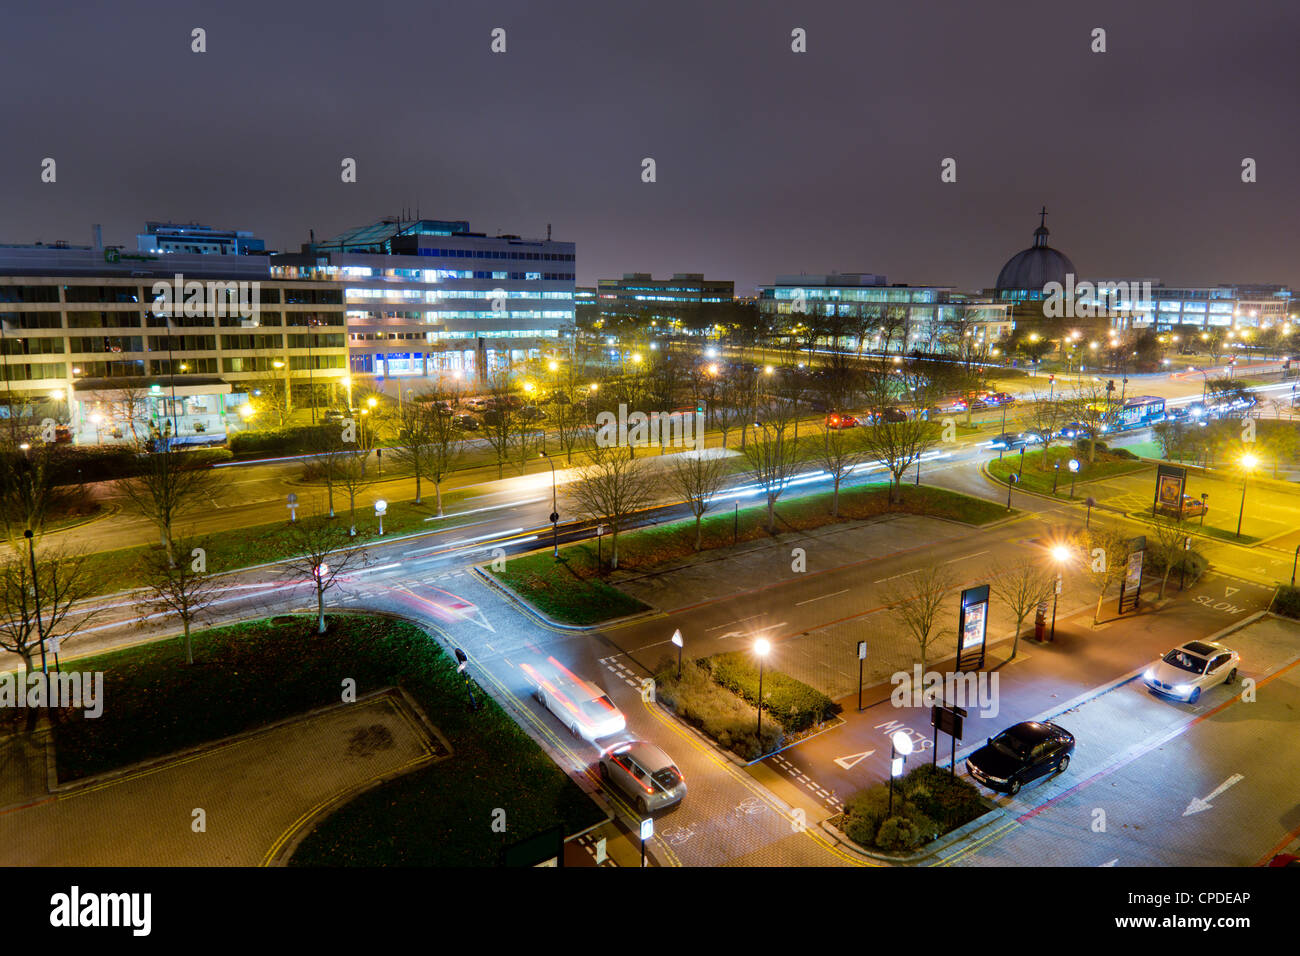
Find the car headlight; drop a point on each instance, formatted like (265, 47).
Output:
(1183, 689)
(1149, 674)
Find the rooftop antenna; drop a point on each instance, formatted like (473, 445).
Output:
(548, 232)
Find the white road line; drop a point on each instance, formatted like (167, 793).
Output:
(892, 577)
(823, 597)
(965, 556)
(729, 623)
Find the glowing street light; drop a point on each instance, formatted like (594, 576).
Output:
(900, 745)
(762, 647)
(1247, 462)
(381, 508)
(1061, 554)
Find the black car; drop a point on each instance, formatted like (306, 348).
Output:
(1020, 754)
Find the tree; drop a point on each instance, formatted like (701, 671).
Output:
(36, 603)
(324, 552)
(429, 440)
(273, 399)
(1021, 587)
(355, 476)
(184, 588)
(327, 450)
(171, 483)
(498, 421)
(1090, 405)
(840, 451)
(917, 602)
(773, 455)
(1047, 418)
(612, 487)
(1166, 536)
(900, 434)
(696, 477)
(1106, 560)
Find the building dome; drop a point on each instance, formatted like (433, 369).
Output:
(1027, 272)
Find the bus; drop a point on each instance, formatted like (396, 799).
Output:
(1140, 411)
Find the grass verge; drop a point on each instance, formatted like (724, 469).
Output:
(1039, 475)
(251, 674)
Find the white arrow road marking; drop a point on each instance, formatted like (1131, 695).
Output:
(848, 762)
(1197, 804)
(1111, 862)
(1229, 592)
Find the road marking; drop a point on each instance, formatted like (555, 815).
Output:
(1229, 592)
(903, 575)
(965, 556)
(1198, 804)
(851, 760)
(823, 597)
(1111, 862)
(729, 623)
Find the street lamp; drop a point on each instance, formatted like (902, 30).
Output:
(381, 508)
(1248, 461)
(677, 639)
(761, 647)
(1062, 555)
(1074, 473)
(900, 745)
(555, 511)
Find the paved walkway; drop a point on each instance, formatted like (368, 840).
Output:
(257, 791)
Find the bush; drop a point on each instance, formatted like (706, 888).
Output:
(796, 705)
(83, 464)
(1122, 453)
(720, 714)
(290, 440)
(928, 803)
(1194, 563)
(1286, 602)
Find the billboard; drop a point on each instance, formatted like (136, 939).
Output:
(972, 627)
(1171, 481)
(1132, 586)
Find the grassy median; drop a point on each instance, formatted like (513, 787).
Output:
(248, 675)
(1040, 476)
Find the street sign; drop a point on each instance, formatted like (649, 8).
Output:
(1131, 589)
(554, 517)
(1170, 484)
(677, 638)
(862, 650)
(972, 627)
(647, 828)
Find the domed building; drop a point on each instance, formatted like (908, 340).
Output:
(1025, 273)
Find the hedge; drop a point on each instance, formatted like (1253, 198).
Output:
(1286, 602)
(719, 713)
(77, 464)
(796, 705)
(928, 803)
(290, 440)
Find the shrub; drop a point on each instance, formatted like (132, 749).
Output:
(949, 800)
(792, 702)
(290, 440)
(906, 833)
(720, 714)
(1286, 601)
(928, 803)
(1122, 453)
(84, 464)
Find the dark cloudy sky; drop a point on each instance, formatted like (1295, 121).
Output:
(768, 161)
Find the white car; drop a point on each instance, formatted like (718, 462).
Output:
(580, 705)
(645, 773)
(1187, 670)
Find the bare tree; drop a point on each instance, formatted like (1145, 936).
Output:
(184, 588)
(171, 483)
(840, 451)
(1047, 418)
(1090, 405)
(273, 397)
(498, 421)
(429, 440)
(900, 434)
(612, 487)
(1106, 561)
(773, 455)
(697, 477)
(1166, 537)
(327, 448)
(1021, 587)
(917, 601)
(324, 552)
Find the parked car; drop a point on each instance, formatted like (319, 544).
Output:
(531, 413)
(492, 416)
(1019, 754)
(955, 405)
(895, 414)
(1187, 670)
(1075, 430)
(1017, 440)
(645, 773)
(1192, 508)
(998, 398)
(580, 705)
(841, 421)
(467, 422)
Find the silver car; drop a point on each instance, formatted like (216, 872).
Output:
(645, 773)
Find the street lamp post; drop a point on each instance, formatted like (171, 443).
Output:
(381, 508)
(900, 745)
(677, 639)
(761, 648)
(36, 595)
(1012, 480)
(1056, 475)
(1074, 474)
(1062, 555)
(1021, 470)
(1248, 462)
(1087, 522)
(1205, 496)
(1293, 563)
(555, 511)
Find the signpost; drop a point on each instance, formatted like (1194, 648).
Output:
(947, 720)
(293, 507)
(862, 656)
(1131, 589)
(647, 831)
(972, 626)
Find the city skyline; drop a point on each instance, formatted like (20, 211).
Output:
(779, 163)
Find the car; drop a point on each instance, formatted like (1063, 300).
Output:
(645, 773)
(1018, 440)
(998, 398)
(531, 413)
(1021, 753)
(894, 414)
(1192, 508)
(956, 405)
(1073, 430)
(841, 421)
(1190, 668)
(580, 705)
(468, 422)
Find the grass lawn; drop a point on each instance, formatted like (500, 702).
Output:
(1035, 477)
(259, 544)
(572, 591)
(248, 675)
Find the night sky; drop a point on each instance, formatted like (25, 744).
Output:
(768, 162)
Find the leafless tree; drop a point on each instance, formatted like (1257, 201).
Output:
(327, 451)
(324, 552)
(696, 477)
(1106, 560)
(273, 399)
(612, 487)
(429, 440)
(917, 601)
(184, 588)
(1166, 536)
(1047, 418)
(498, 421)
(773, 453)
(899, 435)
(1021, 587)
(171, 483)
